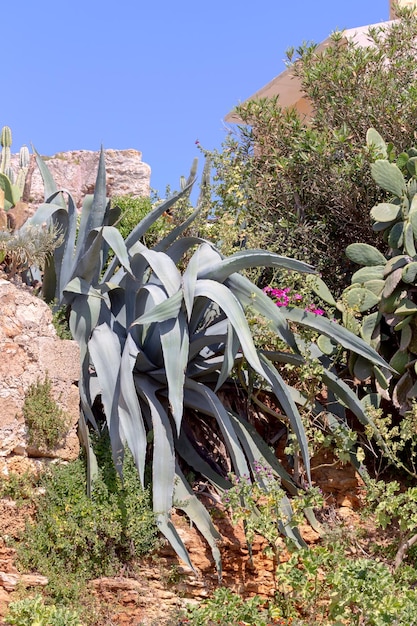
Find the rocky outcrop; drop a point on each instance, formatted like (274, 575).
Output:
(30, 351)
(76, 172)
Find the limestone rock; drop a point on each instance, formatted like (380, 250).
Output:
(76, 172)
(31, 351)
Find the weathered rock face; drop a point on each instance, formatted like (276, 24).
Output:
(76, 171)
(30, 350)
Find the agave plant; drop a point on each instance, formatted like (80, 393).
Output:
(158, 343)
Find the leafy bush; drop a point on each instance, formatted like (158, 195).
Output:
(306, 189)
(47, 423)
(133, 210)
(33, 611)
(229, 609)
(75, 538)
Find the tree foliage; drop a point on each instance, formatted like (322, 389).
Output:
(303, 187)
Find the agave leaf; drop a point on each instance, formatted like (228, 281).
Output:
(44, 213)
(186, 500)
(164, 268)
(231, 350)
(167, 309)
(289, 407)
(91, 459)
(153, 215)
(253, 258)
(258, 451)
(225, 299)
(48, 182)
(105, 352)
(168, 529)
(249, 295)
(180, 246)
(96, 218)
(176, 232)
(88, 266)
(348, 397)
(186, 450)
(163, 460)
(117, 244)
(336, 332)
(130, 414)
(175, 345)
(201, 398)
(189, 281)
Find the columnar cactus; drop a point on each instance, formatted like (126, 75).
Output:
(11, 184)
(6, 142)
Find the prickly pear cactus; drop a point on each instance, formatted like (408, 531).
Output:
(381, 303)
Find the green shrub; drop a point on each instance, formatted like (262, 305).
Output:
(229, 609)
(133, 210)
(75, 538)
(306, 189)
(33, 612)
(47, 423)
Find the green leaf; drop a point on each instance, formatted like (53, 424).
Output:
(389, 177)
(396, 236)
(375, 272)
(409, 272)
(360, 299)
(412, 217)
(399, 361)
(409, 240)
(376, 286)
(391, 282)
(320, 288)
(365, 254)
(406, 307)
(369, 323)
(385, 212)
(374, 139)
(336, 332)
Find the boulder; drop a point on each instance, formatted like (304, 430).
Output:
(31, 351)
(76, 172)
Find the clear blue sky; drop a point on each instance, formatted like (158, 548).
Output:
(155, 75)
